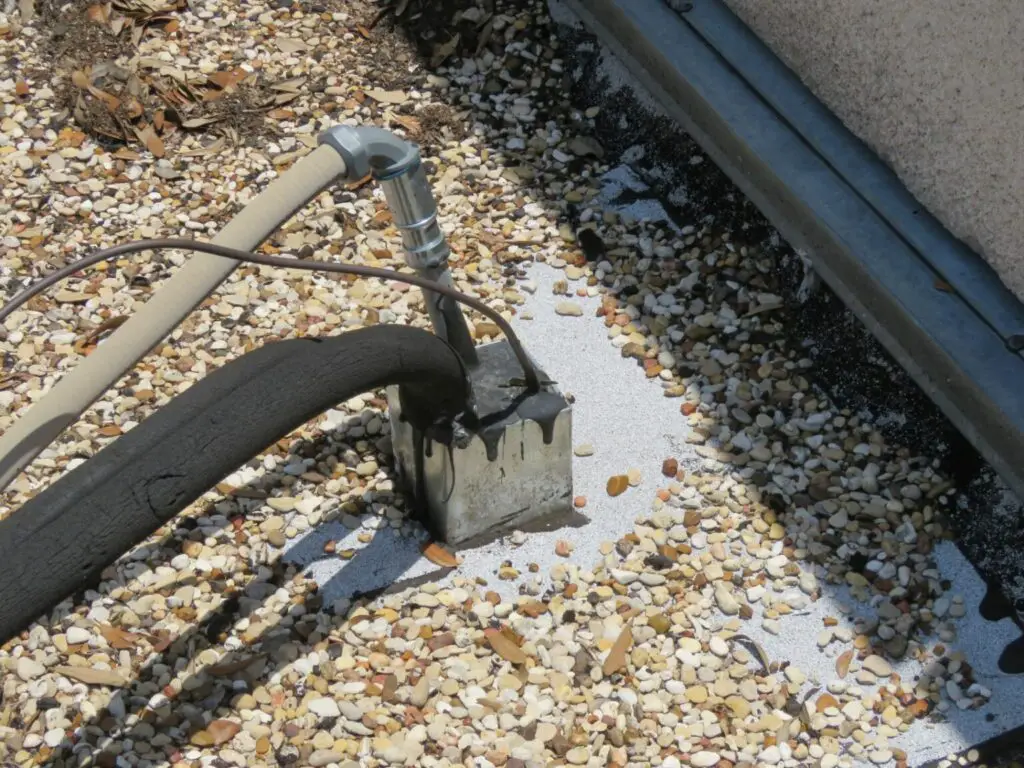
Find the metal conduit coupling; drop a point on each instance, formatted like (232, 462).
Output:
(396, 165)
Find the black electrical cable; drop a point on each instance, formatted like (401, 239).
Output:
(530, 375)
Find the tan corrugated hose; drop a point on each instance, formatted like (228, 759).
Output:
(182, 292)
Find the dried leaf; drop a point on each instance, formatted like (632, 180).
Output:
(438, 555)
(443, 50)
(615, 661)
(230, 668)
(387, 97)
(485, 36)
(99, 13)
(942, 285)
(363, 31)
(761, 655)
(161, 641)
(504, 647)
(285, 98)
(9, 380)
(133, 109)
(91, 676)
(155, 145)
(110, 101)
(281, 114)
(843, 663)
(212, 149)
(199, 122)
(126, 154)
(226, 80)
(80, 80)
(411, 124)
(109, 430)
(291, 86)
(119, 639)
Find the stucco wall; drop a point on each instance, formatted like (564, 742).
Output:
(935, 87)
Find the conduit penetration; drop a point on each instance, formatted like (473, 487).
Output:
(61, 541)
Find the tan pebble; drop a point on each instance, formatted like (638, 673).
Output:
(510, 683)
(563, 548)
(282, 503)
(584, 449)
(633, 476)
(877, 666)
(738, 705)
(660, 623)
(696, 694)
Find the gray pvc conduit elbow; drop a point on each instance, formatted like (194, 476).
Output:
(61, 541)
(182, 293)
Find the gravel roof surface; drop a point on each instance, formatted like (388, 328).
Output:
(760, 577)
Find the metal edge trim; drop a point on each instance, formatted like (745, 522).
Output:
(956, 358)
(861, 168)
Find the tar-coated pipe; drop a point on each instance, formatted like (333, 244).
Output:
(61, 540)
(183, 291)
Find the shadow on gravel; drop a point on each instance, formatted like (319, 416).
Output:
(839, 356)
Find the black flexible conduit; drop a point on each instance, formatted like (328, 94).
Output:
(61, 541)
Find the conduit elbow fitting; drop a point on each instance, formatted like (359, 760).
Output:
(396, 166)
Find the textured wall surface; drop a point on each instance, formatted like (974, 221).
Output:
(935, 87)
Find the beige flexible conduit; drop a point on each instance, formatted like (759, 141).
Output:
(183, 291)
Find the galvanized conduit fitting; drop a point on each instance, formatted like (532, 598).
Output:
(62, 540)
(396, 166)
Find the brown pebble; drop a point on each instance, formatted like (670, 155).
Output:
(563, 548)
(843, 663)
(579, 502)
(669, 467)
(687, 408)
(330, 547)
(825, 701)
(617, 485)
